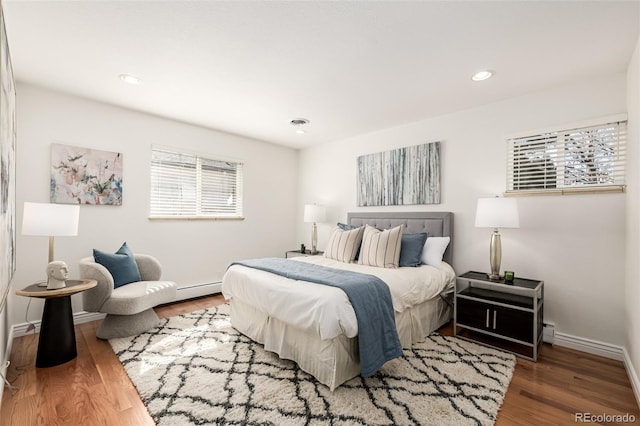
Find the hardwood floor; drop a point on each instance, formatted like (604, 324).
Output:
(93, 389)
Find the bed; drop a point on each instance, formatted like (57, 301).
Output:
(312, 325)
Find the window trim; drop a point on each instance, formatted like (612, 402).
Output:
(567, 190)
(199, 157)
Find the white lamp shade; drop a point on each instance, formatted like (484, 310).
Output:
(497, 213)
(314, 213)
(51, 220)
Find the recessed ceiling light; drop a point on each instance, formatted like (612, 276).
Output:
(299, 122)
(127, 78)
(300, 132)
(482, 75)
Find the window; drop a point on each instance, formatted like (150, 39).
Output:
(192, 186)
(585, 158)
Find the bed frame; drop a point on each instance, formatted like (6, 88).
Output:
(436, 224)
(333, 362)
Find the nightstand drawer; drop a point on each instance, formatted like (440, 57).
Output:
(508, 322)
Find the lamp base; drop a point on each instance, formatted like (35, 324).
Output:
(314, 239)
(495, 256)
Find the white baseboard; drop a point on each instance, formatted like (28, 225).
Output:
(595, 347)
(606, 350)
(183, 293)
(633, 377)
(198, 290)
(84, 316)
(19, 330)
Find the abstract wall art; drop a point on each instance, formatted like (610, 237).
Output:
(404, 176)
(85, 176)
(7, 167)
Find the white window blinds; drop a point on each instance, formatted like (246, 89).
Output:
(579, 159)
(192, 186)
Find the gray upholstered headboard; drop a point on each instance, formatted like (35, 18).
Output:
(436, 224)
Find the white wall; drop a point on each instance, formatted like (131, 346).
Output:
(191, 252)
(574, 243)
(632, 299)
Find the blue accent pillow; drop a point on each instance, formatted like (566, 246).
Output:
(346, 227)
(121, 265)
(411, 249)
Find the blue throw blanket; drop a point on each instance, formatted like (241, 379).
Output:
(371, 300)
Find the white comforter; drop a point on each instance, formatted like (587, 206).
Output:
(324, 309)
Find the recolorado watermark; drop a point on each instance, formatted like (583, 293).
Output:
(604, 418)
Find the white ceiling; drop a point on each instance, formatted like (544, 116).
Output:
(249, 67)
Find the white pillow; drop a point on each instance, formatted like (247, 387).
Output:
(434, 250)
(343, 245)
(381, 248)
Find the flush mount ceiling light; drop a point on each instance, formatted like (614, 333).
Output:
(128, 78)
(482, 75)
(297, 122)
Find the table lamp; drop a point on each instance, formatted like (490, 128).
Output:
(496, 213)
(50, 220)
(314, 213)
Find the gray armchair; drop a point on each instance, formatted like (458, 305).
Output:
(129, 308)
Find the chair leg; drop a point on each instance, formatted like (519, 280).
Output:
(127, 325)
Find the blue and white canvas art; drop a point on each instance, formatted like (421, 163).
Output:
(404, 176)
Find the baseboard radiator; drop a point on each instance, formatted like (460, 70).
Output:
(183, 293)
(198, 290)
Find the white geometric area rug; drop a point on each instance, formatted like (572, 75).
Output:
(197, 369)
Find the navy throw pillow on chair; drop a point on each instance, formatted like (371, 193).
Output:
(121, 265)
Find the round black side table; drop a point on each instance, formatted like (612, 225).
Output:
(57, 341)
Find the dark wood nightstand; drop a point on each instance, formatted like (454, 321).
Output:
(296, 253)
(505, 315)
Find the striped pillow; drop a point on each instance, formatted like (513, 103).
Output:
(343, 245)
(381, 248)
